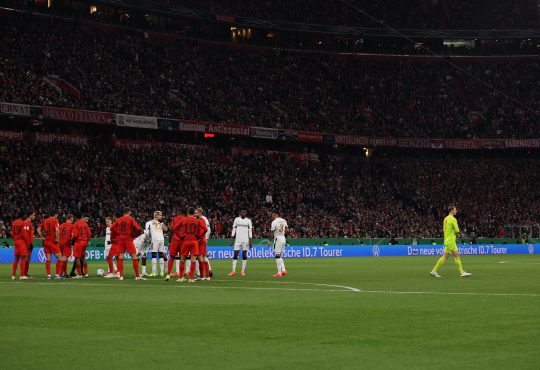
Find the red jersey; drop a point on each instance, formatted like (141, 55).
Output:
(177, 230)
(29, 232)
(81, 231)
(49, 226)
(17, 230)
(114, 236)
(192, 228)
(203, 227)
(65, 231)
(126, 227)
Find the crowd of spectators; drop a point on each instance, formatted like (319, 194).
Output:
(398, 14)
(489, 14)
(320, 195)
(416, 14)
(126, 72)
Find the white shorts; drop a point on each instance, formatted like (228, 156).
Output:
(107, 250)
(279, 244)
(158, 246)
(241, 245)
(141, 248)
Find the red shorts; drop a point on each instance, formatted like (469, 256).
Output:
(79, 249)
(51, 247)
(174, 248)
(202, 247)
(125, 245)
(20, 248)
(189, 248)
(65, 247)
(113, 252)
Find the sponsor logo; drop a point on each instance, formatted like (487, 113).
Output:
(376, 251)
(41, 255)
(531, 249)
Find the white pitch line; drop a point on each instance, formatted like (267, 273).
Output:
(201, 286)
(292, 282)
(520, 263)
(453, 293)
(184, 285)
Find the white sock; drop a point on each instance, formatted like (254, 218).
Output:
(234, 265)
(208, 261)
(244, 262)
(154, 266)
(114, 266)
(278, 264)
(197, 270)
(188, 267)
(177, 266)
(162, 265)
(143, 269)
(282, 264)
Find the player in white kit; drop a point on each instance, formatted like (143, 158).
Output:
(154, 231)
(108, 243)
(279, 227)
(241, 235)
(141, 245)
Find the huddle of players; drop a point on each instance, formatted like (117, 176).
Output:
(191, 230)
(189, 239)
(57, 241)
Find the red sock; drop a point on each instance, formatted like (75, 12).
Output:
(192, 269)
(27, 266)
(111, 265)
(64, 267)
(207, 269)
(121, 266)
(136, 266)
(170, 265)
(85, 269)
(48, 267)
(14, 268)
(79, 270)
(182, 268)
(23, 271)
(202, 269)
(59, 266)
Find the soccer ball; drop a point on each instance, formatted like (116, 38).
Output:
(100, 272)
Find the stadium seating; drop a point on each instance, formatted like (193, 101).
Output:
(320, 194)
(125, 72)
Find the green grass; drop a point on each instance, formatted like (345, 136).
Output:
(254, 322)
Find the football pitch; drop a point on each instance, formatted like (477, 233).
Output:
(338, 313)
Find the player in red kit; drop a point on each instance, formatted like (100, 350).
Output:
(176, 243)
(203, 243)
(29, 234)
(50, 230)
(192, 231)
(65, 231)
(126, 228)
(21, 249)
(113, 252)
(81, 235)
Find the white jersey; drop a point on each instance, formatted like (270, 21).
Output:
(154, 230)
(242, 229)
(140, 243)
(279, 226)
(208, 232)
(108, 237)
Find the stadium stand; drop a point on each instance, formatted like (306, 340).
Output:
(128, 72)
(321, 193)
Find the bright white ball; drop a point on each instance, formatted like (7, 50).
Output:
(100, 272)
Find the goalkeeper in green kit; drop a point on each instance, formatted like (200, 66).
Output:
(451, 230)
